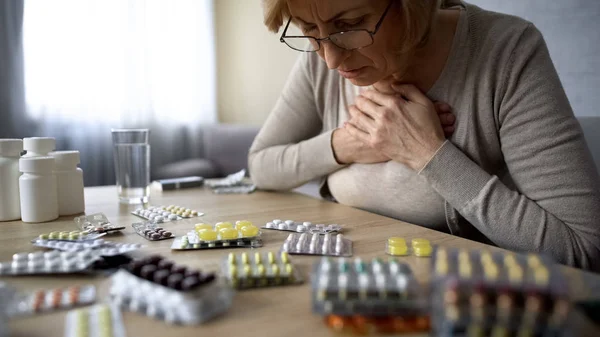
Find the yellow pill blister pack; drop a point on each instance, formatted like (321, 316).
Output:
(100, 320)
(255, 270)
(220, 235)
(498, 294)
(396, 246)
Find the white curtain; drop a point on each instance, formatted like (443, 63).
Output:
(92, 65)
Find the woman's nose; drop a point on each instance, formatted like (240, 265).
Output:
(332, 54)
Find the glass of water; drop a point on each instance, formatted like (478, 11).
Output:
(131, 152)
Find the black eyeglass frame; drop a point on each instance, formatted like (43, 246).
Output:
(328, 38)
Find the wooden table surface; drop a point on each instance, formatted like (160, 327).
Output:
(280, 311)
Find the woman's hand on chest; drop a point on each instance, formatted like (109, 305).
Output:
(403, 126)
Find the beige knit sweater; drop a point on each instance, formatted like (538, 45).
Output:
(516, 173)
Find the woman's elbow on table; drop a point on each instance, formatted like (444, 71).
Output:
(265, 176)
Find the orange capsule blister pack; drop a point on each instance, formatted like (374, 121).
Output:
(42, 301)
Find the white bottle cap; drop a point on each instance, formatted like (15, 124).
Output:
(39, 144)
(65, 159)
(36, 165)
(11, 147)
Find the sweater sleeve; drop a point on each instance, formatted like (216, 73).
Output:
(290, 149)
(555, 207)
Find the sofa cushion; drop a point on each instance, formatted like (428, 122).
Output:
(190, 167)
(227, 146)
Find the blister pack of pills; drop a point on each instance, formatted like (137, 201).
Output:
(366, 325)
(237, 189)
(221, 235)
(158, 288)
(98, 321)
(99, 246)
(41, 301)
(70, 236)
(96, 224)
(317, 244)
(302, 227)
(231, 180)
(350, 287)
(160, 214)
(480, 293)
(256, 270)
(396, 246)
(151, 231)
(50, 262)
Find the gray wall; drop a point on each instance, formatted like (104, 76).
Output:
(572, 31)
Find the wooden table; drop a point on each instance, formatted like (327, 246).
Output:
(282, 311)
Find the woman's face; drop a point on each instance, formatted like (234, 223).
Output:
(363, 66)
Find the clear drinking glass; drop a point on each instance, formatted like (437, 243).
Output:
(131, 151)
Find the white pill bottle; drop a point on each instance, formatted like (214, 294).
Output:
(69, 180)
(39, 197)
(10, 152)
(38, 146)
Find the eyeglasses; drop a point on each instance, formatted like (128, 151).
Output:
(348, 40)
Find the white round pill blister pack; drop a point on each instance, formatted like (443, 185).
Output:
(51, 262)
(99, 246)
(162, 214)
(316, 244)
(302, 227)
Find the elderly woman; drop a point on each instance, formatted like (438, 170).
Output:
(358, 112)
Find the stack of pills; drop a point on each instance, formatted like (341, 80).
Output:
(100, 320)
(316, 244)
(484, 293)
(396, 246)
(51, 262)
(257, 269)
(374, 288)
(71, 236)
(302, 227)
(159, 288)
(51, 300)
(151, 231)
(221, 235)
(166, 213)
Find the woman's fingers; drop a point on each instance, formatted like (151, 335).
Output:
(360, 119)
(448, 131)
(357, 132)
(447, 119)
(367, 105)
(411, 93)
(379, 99)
